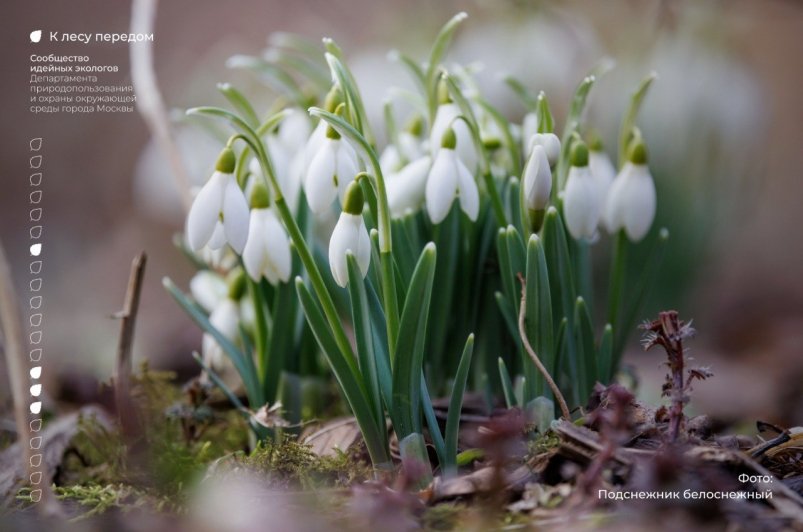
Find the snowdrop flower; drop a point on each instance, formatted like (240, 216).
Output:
(550, 143)
(267, 251)
(602, 170)
(226, 319)
(394, 157)
(448, 178)
(208, 289)
(445, 119)
(219, 213)
(537, 179)
(330, 172)
(631, 199)
(350, 236)
(581, 205)
(406, 188)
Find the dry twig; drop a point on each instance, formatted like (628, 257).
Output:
(564, 408)
(128, 318)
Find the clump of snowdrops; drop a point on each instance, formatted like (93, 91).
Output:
(461, 250)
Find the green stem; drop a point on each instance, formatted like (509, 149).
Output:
(617, 278)
(389, 298)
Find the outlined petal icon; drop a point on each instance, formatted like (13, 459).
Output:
(36, 36)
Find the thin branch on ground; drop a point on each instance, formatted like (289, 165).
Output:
(128, 318)
(564, 408)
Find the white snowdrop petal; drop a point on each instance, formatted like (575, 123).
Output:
(255, 247)
(441, 185)
(218, 239)
(208, 289)
(277, 246)
(445, 117)
(235, 216)
(319, 185)
(580, 204)
(363, 253)
(551, 144)
(346, 170)
(468, 194)
(406, 188)
(205, 211)
(640, 198)
(537, 179)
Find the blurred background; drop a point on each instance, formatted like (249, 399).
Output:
(724, 123)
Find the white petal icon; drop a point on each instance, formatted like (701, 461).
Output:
(36, 372)
(36, 36)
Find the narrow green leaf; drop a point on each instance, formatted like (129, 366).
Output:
(507, 385)
(407, 365)
(363, 333)
(561, 282)
(456, 403)
(605, 355)
(629, 119)
(572, 125)
(348, 377)
(243, 364)
(432, 422)
(275, 76)
(525, 95)
(587, 354)
(538, 322)
(436, 54)
(240, 102)
(415, 70)
(510, 143)
(646, 280)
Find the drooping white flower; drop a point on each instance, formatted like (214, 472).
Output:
(446, 118)
(350, 236)
(632, 199)
(551, 144)
(219, 213)
(603, 171)
(394, 157)
(405, 189)
(225, 318)
(537, 179)
(208, 289)
(449, 178)
(330, 172)
(267, 252)
(581, 203)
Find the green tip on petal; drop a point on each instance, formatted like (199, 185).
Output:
(331, 133)
(416, 125)
(235, 280)
(333, 98)
(579, 155)
(637, 152)
(595, 142)
(226, 161)
(354, 200)
(449, 139)
(443, 93)
(259, 197)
